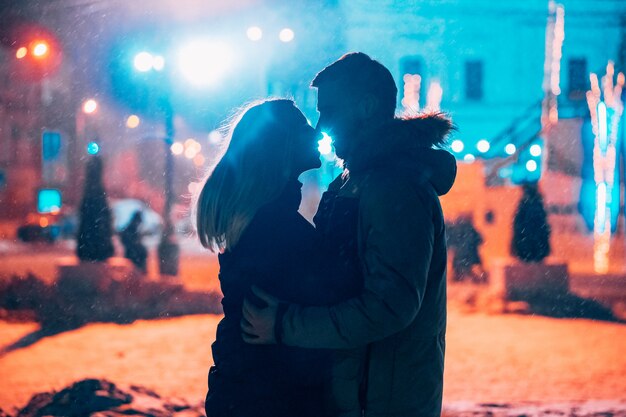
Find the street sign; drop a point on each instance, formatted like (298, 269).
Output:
(53, 158)
(51, 146)
(49, 200)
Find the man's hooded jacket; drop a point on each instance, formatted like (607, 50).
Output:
(391, 336)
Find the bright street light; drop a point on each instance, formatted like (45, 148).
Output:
(143, 61)
(286, 35)
(40, 49)
(204, 62)
(90, 106)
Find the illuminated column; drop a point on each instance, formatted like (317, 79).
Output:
(555, 34)
(606, 108)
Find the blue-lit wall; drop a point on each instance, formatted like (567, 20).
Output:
(507, 37)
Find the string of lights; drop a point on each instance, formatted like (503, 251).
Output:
(605, 107)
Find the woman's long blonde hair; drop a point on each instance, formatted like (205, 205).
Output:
(253, 171)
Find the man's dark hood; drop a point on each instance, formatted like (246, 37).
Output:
(409, 143)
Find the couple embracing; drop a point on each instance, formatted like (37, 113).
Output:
(347, 317)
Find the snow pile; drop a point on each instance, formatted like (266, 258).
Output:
(566, 409)
(99, 397)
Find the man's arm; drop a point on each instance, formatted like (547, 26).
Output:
(398, 232)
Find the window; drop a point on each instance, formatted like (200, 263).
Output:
(474, 80)
(577, 78)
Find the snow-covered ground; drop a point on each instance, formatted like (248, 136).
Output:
(490, 358)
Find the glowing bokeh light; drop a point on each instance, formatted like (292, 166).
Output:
(132, 121)
(433, 96)
(254, 33)
(40, 49)
(602, 126)
(557, 53)
(191, 143)
(215, 137)
(204, 62)
(190, 152)
(531, 166)
(90, 106)
(535, 150)
(143, 61)
(286, 35)
(177, 148)
(606, 109)
(412, 87)
(510, 149)
(457, 146)
(469, 158)
(198, 160)
(325, 144)
(93, 148)
(21, 52)
(602, 198)
(158, 63)
(483, 146)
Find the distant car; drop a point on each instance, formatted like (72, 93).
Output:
(39, 228)
(64, 224)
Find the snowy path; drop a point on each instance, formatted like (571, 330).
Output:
(498, 358)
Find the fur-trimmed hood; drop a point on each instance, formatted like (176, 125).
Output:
(410, 143)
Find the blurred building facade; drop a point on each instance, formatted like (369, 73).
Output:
(20, 122)
(484, 64)
(480, 61)
(488, 58)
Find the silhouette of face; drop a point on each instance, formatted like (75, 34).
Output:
(339, 117)
(305, 153)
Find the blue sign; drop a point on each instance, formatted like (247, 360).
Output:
(51, 146)
(53, 158)
(48, 200)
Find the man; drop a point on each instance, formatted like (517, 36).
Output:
(394, 323)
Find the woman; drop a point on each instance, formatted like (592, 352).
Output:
(247, 209)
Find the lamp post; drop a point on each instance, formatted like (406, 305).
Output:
(84, 130)
(168, 249)
(202, 62)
